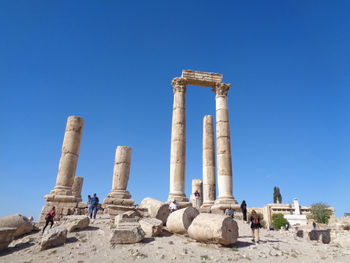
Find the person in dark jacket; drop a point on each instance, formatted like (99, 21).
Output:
(49, 217)
(94, 204)
(255, 225)
(244, 211)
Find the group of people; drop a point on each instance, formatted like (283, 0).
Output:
(92, 211)
(92, 205)
(254, 220)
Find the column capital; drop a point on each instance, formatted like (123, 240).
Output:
(221, 89)
(179, 84)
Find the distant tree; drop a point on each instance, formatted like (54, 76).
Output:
(278, 221)
(320, 212)
(277, 197)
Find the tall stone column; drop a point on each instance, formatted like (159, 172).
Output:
(223, 147)
(62, 196)
(178, 143)
(209, 184)
(197, 185)
(77, 187)
(119, 195)
(69, 158)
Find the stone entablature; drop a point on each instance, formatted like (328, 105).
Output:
(203, 79)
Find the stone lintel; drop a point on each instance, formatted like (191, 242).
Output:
(203, 79)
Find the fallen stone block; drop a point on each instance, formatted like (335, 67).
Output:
(7, 234)
(179, 221)
(21, 223)
(320, 235)
(128, 233)
(151, 226)
(156, 209)
(75, 222)
(53, 237)
(214, 228)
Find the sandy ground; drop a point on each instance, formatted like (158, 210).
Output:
(91, 245)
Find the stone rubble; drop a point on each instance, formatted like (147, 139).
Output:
(21, 223)
(53, 237)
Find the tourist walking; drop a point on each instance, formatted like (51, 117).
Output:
(89, 204)
(49, 217)
(94, 204)
(255, 225)
(197, 196)
(244, 211)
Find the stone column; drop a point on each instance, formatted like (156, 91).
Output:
(119, 195)
(77, 187)
(178, 143)
(62, 196)
(197, 185)
(69, 158)
(223, 147)
(296, 206)
(209, 184)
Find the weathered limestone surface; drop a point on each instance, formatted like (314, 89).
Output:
(114, 210)
(179, 221)
(126, 233)
(178, 143)
(62, 196)
(128, 216)
(197, 185)
(77, 187)
(7, 234)
(119, 195)
(223, 147)
(209, 181)
(156, 209)
(214, 228)
(151, 226)
(53, 237)
(199, 78)
(69, 158)
(75, 222)
(19, 222)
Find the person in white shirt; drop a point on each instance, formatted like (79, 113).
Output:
(173, 206)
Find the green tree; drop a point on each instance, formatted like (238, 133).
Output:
(277, 197)
(320, 212)
(278, 221)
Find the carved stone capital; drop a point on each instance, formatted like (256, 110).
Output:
(221, 89)
(179, 84)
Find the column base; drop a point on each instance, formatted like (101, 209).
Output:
(62, 190)
(178, 197)
(223, 203)
(119, 194)
(208, 204)
(118, 201)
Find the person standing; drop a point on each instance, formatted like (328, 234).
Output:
(49, 217)
(255, 225)
(197, 196)
(94, 204)
(244, 211)
(89, 204)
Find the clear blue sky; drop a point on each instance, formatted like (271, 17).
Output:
(112, 62)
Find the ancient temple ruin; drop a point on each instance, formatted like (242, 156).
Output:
(223, 142)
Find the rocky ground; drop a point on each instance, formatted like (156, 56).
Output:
(91, 245)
